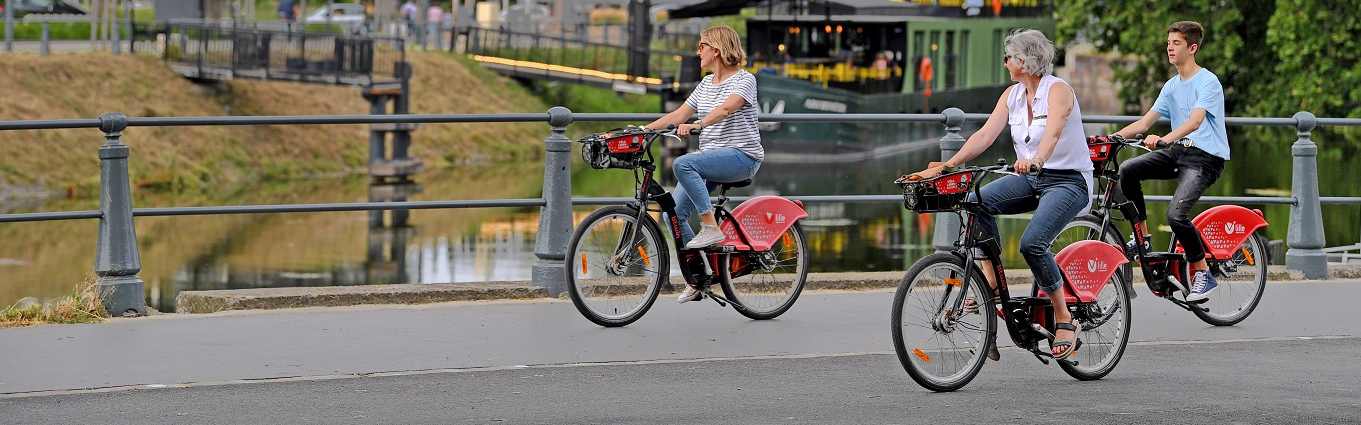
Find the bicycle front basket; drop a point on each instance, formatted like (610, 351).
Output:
(1101, 153)
(618, 148)
(937, 194)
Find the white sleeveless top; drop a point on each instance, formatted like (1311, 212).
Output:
(1070, 153)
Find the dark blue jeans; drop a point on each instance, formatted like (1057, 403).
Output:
(1194, 171)
(1056, 196)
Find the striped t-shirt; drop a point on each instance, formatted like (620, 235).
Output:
(739, 130)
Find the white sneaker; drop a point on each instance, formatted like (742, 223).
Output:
(708, 236)
(689, 294)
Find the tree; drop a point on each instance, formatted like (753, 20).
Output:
(1235, 33)
(1316, 47)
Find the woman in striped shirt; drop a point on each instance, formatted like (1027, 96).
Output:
(729, 141)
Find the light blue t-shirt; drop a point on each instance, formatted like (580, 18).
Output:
(1203, 90)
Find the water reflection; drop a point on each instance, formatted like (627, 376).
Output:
(48, 259)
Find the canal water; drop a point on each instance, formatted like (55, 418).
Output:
(50, 259)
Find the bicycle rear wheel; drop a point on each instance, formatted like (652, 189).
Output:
(1088, 227)
(1105, 332)
(1241, 278)
(616, 265)
(942, 349)
(767, 283)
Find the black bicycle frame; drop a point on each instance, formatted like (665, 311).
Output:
(695, 267)
(1017, 311)
(1156, 266)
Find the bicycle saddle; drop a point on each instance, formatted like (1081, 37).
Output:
(735, 185)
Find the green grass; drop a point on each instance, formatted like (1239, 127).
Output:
(83, 306)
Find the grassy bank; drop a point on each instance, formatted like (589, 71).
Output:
(83, 306)
(184, 158)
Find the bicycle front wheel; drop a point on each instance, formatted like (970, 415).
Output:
(1241, 278)
(767, 283)
(616, 265)
(1105, 332)
(941, 347)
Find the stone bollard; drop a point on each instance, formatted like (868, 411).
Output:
(555, 219)
(1304, 237)
(947, 225)
(117, 261)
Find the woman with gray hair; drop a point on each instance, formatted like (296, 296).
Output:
(1042, 116)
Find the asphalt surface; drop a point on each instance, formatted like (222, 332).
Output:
(829, 360)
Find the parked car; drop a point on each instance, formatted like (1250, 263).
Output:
(25, 7)
(344, 13)
(536, 14)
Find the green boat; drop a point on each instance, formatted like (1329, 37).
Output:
(876, 64)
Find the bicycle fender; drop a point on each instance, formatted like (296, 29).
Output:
(1225, 227)
(764, 220)
(1088, 265)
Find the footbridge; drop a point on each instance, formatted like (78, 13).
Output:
(632, 68)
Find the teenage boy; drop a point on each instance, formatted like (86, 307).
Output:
(1194, 101)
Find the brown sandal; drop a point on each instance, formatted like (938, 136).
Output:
(1069, 345)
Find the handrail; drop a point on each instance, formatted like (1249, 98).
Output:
(118, 262)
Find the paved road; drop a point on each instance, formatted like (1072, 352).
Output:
(828, 360)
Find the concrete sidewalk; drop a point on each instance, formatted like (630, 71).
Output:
(333, 296)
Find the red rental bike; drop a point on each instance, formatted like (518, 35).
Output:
(1234, 251)
(942, 342)
(618, 263)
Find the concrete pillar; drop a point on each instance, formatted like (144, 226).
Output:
(1304, 237)
(555, 219)
(117, 261)
(947, 225)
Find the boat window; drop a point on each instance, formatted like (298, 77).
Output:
(951, 60)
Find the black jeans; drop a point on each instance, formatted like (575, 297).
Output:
(1194, 170)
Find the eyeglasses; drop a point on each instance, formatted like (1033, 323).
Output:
(1006, 58)
(702, 45)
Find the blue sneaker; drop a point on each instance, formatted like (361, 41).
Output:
(1201, 286)
(1131, 249)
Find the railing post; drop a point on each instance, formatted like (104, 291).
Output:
(947, 225)
(555, 219)
(117, 261)
(117, 38)
(1304, 237)
(45, 44)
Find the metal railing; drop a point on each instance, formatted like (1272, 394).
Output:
(117, 261)
(224, 50)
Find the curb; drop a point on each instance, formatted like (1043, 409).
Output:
(197, 302)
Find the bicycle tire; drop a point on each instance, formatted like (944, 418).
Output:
(1105, 332)
(941, 352)
(1239, 291)
(1088, 227)
(773, 279)
(610, 281)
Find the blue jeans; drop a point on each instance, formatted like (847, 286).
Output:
(1056, 196)
(698, 173)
